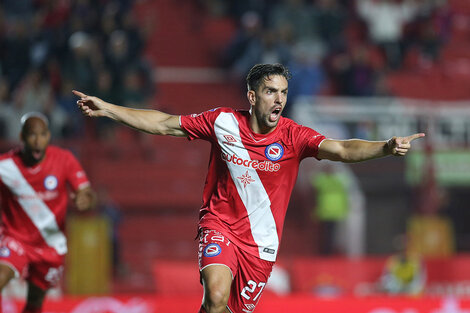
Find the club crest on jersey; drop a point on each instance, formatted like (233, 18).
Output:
(50, 182)
(212, 249)
(4, 252)
(274, 151)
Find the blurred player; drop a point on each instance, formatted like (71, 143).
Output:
(34, 182)
(253, 166)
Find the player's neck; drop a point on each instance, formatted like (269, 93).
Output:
(259, 128)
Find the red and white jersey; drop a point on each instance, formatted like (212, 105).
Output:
(34, 199)
(251, 176)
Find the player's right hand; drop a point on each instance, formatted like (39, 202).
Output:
(89, 105)
(399, 146)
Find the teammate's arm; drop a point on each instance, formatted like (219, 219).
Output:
(356, 150)
(149, 121)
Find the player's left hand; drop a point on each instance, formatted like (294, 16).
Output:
(399, 146)
(84, 199)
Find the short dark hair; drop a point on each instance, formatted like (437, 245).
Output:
(260, 71)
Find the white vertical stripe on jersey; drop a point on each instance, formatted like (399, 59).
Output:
(33, 206)
(254, 196)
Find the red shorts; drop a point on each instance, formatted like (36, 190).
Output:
(250, 274)
(41, 266)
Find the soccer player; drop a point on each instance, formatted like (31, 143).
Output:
(253, 166)
(34, 187)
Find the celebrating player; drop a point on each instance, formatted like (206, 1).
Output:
(34, 182)
(253, 166)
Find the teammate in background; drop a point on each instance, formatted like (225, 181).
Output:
(34, 183)
(253, 166)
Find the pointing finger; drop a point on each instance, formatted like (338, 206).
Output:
(415, 136)
(79, 94)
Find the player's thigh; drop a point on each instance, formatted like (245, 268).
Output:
(249, 283)
(217, 263)
(6, 274)
(13, 260)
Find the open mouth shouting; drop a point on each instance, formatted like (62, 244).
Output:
(37, 154)
(275, 114)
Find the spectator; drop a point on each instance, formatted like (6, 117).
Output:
(54, 75)
(296, 13)
(106, 88)
(134, 35)
(12, 115)
(386, 20)
(58, 118)
(133, 96)
(84, 16)
(34, 91)
(118, 57)
(18, 9)
(330, 20)
(429, 31)
(238, 8)
(79, 66)
(361, 76)
(268, 49)
(15, 57)
(308, 77)
(353, 74)
(74, 123)
(5, 106)
(133, 91)
(338, 65)
(249, 31)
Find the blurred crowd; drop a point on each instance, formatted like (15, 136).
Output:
(49, 47)
(335, 47)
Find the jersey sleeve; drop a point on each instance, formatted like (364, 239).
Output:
(76, 176)
(308, 142)
(199, 126)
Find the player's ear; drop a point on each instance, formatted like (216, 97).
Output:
(251, 95)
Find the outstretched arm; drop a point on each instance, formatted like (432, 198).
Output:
(149, 121)
(356, 150)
